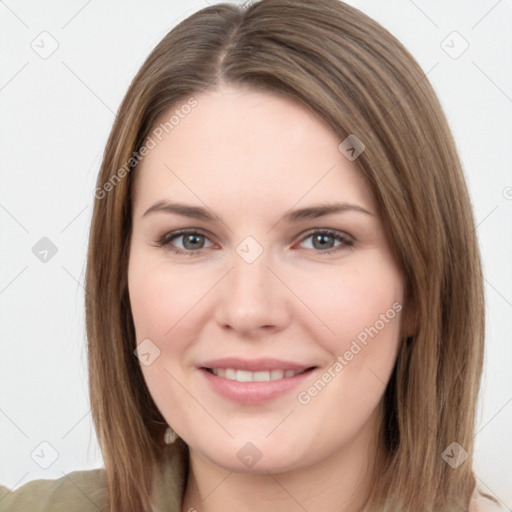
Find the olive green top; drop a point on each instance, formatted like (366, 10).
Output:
(85, 491)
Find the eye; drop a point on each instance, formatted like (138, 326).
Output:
(322, 240)
(193, 241)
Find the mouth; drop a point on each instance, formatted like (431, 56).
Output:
(256, 376)
(257, 387)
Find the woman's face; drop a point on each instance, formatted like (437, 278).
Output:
(255, 283)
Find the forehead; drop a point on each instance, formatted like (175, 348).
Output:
(238, 144)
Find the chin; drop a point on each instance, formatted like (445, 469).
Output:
(254, 457)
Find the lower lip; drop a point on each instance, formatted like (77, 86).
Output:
(253, 392)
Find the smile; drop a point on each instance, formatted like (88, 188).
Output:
(258, 376)
(254, 387)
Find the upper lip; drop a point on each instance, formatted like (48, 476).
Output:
(254, 365)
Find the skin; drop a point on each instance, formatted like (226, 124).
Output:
(249, 157)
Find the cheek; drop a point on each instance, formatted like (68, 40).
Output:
(168, 309)
(162, 301)
(363, 312)
(162, 306)
(361, 302)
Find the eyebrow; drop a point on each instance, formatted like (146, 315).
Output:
(310, 212)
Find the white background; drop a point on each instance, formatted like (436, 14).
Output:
(56, 114)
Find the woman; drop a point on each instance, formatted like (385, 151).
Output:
(231, 365)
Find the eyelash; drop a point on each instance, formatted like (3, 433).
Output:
(166, 239)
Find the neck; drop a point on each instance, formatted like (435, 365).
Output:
(339, 483)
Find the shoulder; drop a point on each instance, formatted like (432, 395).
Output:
(483, 502)
(78, 490)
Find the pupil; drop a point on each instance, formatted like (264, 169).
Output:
(191, 238)
(322, 237)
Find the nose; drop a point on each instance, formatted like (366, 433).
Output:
(253, 298)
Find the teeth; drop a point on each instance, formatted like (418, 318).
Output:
(276, 374)
(246, 376)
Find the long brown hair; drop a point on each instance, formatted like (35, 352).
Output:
(358, 78)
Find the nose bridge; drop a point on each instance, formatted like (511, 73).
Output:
(251, 296)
